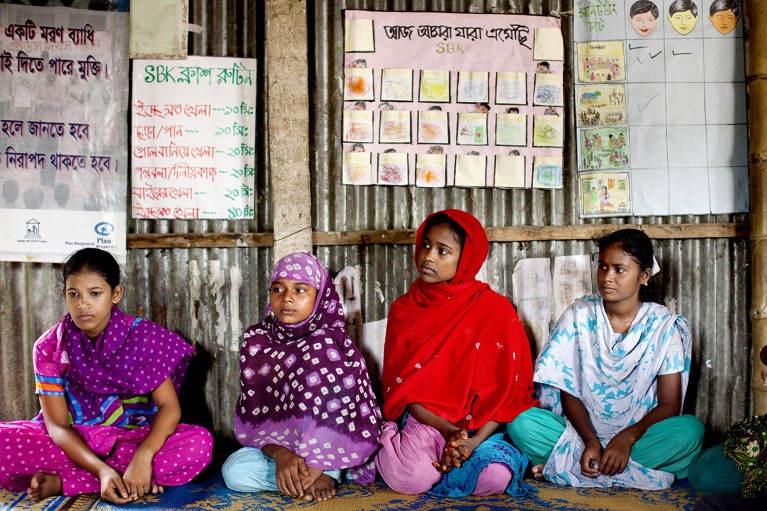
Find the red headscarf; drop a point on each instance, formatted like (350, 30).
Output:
(458, 347)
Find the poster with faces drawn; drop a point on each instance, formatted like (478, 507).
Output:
(661, 97)
(452, 100)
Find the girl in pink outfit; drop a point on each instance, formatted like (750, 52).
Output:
(108, 386)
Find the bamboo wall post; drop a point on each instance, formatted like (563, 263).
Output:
(288, 75)
(756, 69)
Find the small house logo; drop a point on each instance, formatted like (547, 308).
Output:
(33, 229)
(104, 228)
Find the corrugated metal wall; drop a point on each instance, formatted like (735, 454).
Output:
(706, 280)
(210, 295)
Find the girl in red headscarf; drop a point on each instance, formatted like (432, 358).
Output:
(457, 366)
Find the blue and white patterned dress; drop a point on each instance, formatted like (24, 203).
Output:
(615, 376)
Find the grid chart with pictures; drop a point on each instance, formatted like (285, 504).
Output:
(431, 101)
(660, 107)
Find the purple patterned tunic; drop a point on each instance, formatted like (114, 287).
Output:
(107, 384)
(306, 386)
(109, 381)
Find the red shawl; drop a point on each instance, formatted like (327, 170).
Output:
(457, 348)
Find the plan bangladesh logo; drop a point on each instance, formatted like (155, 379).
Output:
(104, 230)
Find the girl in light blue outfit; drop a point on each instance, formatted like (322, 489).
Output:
(611, 381)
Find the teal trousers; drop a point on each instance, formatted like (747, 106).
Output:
(669, 445)
(711, 472)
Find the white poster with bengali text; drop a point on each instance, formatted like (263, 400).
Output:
(63, 132)
(193, 138)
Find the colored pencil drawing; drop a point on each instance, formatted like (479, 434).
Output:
(357, 169)
(433, 127)
(473, 87)
(430, 170)
(397, 85)
(358, 126)
(393, 169)
(600, 105)
(434, 87)
(548, 131)
(548, 90)
(511, 130)
(511, 88)
(603, 148)
(358, 84)
(395, 127)
(601, 61)
(605, 193)
(472, 129)
(547, 172)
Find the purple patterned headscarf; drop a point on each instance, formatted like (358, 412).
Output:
(307, 269)
(301, 267)
(306, 386)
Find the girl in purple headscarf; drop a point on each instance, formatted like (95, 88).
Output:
(108, 386)
(306, 408)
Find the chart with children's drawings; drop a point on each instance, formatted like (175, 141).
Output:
(443, 99)
(660, 107)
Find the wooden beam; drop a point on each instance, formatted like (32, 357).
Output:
(204, 240)
(543, 233)
(407, 236)
(390, 237)
(592, 231)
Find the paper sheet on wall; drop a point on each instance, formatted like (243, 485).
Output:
(158, 29)
(440, 87)
(373, 337)
(660, 93)
(531, 281)
(571, 280)
(63, 111)
(349, 289)
(193, 125)
(548, 44)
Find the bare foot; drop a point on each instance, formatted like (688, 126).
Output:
(308, 481)
(156, 488)
(538, 472)
(324, 488)
(43, 486)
